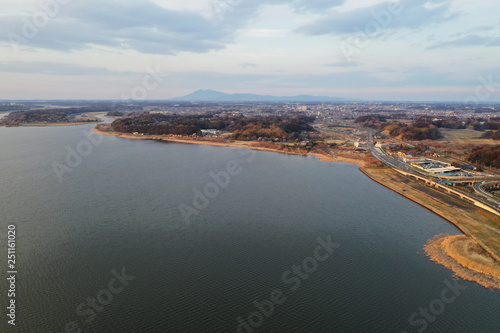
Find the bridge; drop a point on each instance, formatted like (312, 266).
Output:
(484, 199)
(484, 204)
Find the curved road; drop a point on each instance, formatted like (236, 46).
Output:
(479, 188)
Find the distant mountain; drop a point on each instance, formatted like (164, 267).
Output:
(217, 96)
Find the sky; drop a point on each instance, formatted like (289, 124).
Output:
(439, 50)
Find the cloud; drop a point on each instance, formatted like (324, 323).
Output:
(266, 32)
(387, 70)
(388, 16)
(142, 25)
(426, 76)
(248, 64)
(218, 81)
(470, 40)
(53, 68)
(482, 28)
(137, 25)
(239, 7)
(408, 76)
(315, 5)
(344, 64)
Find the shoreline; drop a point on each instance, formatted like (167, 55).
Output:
(433, 210)
(234, 144)
(442, 209)
(459, 221)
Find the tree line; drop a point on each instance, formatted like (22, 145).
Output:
(489, 156)
(243, 128)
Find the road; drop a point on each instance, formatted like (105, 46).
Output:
(394, 163)
(480, 188)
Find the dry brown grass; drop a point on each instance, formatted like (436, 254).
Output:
(460, 134)
(471, 255)
(466, 258)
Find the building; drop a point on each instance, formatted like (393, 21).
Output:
(434, 167)
(209, 132)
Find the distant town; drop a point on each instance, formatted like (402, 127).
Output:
(415, 128)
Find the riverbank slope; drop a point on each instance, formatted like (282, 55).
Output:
(482, 229)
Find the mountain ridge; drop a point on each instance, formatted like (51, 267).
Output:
(209, 95)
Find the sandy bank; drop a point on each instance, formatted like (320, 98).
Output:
(466, 258)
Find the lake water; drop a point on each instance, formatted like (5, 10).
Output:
(119, 209)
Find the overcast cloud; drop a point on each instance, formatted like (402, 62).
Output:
(250, 46)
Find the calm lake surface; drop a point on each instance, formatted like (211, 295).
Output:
(118, 209)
